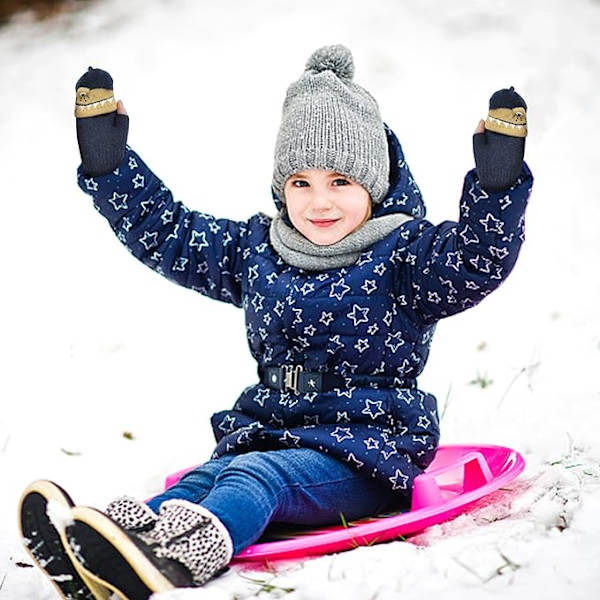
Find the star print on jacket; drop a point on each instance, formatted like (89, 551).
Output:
(371, 323)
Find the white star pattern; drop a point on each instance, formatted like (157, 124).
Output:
(391, 444)
(91, 184)
(227, 424)
(499, 253)
(257, 302)
(138, 181)
(477, 195)
(380, 269)
(290, 440)
(341, 434)
(307, 288)
(279, 306)
(373, 329)
(358, 318)
(339, 289)
(369, 286)
(342, 417)
(175, 233)
(261, 396)
(365, 258)
(167, 216)
(469, 236)
(180, 264)
(393, 341)
(433, 297)
(119, 201)
(492, 224)
(352, 459)
(423, 422)
(373, 408)
(454, 260)
(149, 240)
(326, 318)
(362, 344)
(371, 443)
(337, 344)
(252, 274)
(505, 202)
(198, 240)
(399, 480)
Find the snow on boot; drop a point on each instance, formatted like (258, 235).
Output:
(131, 514)
(193, 536)
(44, 511)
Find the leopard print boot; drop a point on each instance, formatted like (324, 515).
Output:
(132, 515)
(193, 536)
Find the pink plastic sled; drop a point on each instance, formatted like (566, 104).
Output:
(457, 477)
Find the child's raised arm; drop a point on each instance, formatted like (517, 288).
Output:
(454, 265)
(190, 248)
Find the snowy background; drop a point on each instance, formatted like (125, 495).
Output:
(102, 362)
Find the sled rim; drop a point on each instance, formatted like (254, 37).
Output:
(378, 529)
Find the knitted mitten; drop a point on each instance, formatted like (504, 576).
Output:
(193, 536)
(500, 148)
(101, 132)
(131, 514)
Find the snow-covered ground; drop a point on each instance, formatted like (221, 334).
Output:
(109, 374)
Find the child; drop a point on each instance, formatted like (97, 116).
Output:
(342, 291)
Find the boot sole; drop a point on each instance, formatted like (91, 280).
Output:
(48, 547)
(119, 561)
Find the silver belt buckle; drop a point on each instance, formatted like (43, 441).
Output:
(290, 377)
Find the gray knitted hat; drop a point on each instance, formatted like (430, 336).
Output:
(330, 123)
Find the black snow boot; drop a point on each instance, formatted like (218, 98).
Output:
(44, 510)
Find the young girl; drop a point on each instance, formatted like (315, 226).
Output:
(342, 291)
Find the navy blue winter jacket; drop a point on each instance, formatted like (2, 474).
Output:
(371, 322)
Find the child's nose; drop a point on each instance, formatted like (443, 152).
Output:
(321, 200)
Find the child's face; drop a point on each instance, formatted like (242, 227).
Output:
(325, 206)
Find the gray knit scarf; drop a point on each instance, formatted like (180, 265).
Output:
(298, 251)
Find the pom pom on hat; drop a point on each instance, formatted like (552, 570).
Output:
(332, 58)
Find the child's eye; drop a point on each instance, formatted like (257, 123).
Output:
(299, 183)
(340, 181)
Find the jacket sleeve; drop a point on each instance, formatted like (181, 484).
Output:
(190, 248)
(456, 264)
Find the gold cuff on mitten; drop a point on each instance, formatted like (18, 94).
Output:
(94, 102)
(508, 121)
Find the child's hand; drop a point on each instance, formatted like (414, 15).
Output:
(499, 142)
(102, 123)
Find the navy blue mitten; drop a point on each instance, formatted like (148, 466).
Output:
(101, 132)
(499, 150)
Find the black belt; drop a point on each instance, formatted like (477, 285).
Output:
(293, 378)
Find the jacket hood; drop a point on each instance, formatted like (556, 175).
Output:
(403, 195)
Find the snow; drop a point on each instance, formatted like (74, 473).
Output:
(59, 514)
(95, 346)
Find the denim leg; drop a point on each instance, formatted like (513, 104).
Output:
(193, 486)
(300, 486)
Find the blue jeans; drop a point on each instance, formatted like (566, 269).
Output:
(298, 485)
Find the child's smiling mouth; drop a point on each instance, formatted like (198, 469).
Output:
(323, 222)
